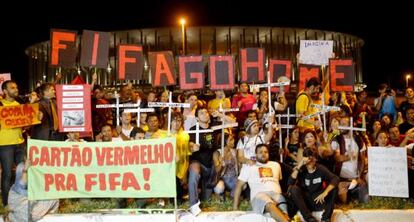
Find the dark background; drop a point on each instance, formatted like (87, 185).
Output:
(386, 28)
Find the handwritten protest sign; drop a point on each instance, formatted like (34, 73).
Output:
(74, 105)
(315, 52)
(19, 116)
(139, 169)
(387, 172)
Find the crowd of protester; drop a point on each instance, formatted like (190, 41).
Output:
(313, 169)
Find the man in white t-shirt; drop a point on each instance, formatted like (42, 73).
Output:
(265, 192)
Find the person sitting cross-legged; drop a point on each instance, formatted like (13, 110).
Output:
(307, 190)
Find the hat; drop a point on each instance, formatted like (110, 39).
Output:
(248, 123)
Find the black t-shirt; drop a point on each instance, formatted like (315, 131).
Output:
(404, 127)
(403, 107)
(313, 183)
(208, 145)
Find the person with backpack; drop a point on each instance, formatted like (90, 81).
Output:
(303, 104)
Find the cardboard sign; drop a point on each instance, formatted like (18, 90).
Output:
(95, 49)
(3, 78)
(130, 62)
(63, 48)
(278, 68)
(138, 169)
(307, 72)
(74, 108)
(252, 65)
(221, 72)
(315, 52)
(341, 75)
(19, 116)
(387, 171)
(191, 70)
(162, 68)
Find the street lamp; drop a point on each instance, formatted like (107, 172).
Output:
(182, 22)
(407, 77)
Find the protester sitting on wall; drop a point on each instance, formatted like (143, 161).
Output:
(19, 203)
(226, 167)
(263, 178)
(350, 164)
(307, 190)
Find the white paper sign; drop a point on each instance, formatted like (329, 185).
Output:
(387, 172)
(3, 78)
(315, 52)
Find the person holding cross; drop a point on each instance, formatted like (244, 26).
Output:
(189, 113)
(201, 159)
(304, 101)
(350, 163)
(214, 104)
(124, 130)
(262, 105)
(154, 130)
(182, 152)
(247, 144)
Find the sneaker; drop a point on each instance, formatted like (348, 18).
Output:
(195, 209)
(161, 203)
(353, 184)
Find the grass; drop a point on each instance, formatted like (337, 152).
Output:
(74, 206)
(214, 204)
(380, 203)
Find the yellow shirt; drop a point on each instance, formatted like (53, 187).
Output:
(214, 104)
(10, 136)
(183, 152)
(303, 105)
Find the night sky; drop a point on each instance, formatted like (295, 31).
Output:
(388, 52)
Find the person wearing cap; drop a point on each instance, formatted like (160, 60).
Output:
(263, 179)
(306, 188)
(247, 144)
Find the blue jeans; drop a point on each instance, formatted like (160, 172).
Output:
(9, 155)
(197, 171)
(230, 183)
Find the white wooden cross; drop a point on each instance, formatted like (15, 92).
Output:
(117, 106)
(169, 105)
(197, 132)
(223, 126)
(269, 85)
(138, 111)
(324, 109)
(351, 128)
(286, 126)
